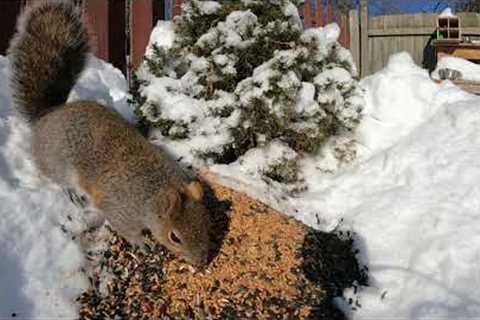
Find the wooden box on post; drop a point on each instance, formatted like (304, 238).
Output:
(448, 29)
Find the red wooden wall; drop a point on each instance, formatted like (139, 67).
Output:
(97, 17)
(120, 29)
(177, 7)
(141, 21)
(107, 24)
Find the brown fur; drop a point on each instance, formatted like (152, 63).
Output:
(84, 145)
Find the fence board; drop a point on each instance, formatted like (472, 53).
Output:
(354, 38)
(345, 31)
(177, 7)
(381, 36)
(364, 43)
(318, 21)
(397, 32)
(98, 19)
(141, 24)
(117, 37)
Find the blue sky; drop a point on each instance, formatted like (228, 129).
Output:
(407, 6)
(412, 6)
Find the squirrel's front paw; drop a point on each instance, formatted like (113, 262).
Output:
(79, 200)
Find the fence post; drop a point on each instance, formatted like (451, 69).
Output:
(97, 12)
(141, 24)
(354, 44)
(363, 38)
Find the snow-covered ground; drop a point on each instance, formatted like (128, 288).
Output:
(412, 197)
(40, 264)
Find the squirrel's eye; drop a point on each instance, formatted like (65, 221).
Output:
(174, 238)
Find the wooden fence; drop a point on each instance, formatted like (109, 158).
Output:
(374, 39)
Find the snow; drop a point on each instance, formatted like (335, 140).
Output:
(162, 35)
(291, 11)
(4, 89)
(233, 32)
(209, 7)
(306, 99)
(446, 13)
(104, 84)
(40, 267)
(174, 107)
(414, 207)
(332, 32)
(469, 70)
(390, 114)
(411, 196)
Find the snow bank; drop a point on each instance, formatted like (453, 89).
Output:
(40, 267)
(416, 210)
(411, 197)
(399, 98)
(469, 70)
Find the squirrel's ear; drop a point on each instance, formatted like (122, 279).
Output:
(194, 190)
(173, 201)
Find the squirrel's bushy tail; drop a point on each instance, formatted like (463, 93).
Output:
(47, 56)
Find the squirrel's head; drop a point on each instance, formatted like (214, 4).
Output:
(181, 222)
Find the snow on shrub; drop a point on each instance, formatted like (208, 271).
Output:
(244, 75)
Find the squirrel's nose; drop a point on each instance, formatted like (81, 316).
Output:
(190, 259)
(200, 261)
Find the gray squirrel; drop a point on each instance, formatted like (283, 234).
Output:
(85, 146)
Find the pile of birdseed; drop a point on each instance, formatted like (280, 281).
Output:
(258, 271)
